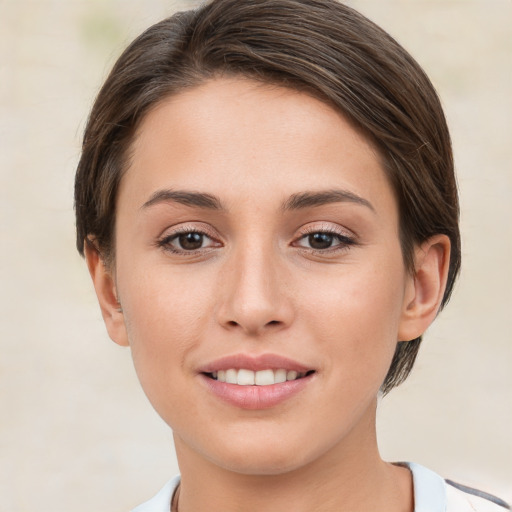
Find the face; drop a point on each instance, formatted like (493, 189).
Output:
(260, 273)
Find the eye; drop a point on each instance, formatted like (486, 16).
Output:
(321, 240)
(325, 241)
(187, 241)
(190, 241)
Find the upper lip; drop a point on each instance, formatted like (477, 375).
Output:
(254, 363)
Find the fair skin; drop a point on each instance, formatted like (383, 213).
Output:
(256, 230)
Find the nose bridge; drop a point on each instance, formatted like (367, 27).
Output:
(254, 298)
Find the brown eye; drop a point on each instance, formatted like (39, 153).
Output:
(320, 240)
(325, 242)
(190, 241)
(187, 242)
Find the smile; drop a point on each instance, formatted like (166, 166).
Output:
(268, 377)
(256, 382)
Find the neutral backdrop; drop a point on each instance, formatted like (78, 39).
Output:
(76, 432)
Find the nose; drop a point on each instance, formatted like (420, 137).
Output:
(254, 292)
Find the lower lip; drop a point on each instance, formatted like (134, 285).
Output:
(256, 397)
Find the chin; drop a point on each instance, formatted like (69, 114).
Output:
(262, 464)
(264, 457)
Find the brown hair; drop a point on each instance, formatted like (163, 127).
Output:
(321, 47)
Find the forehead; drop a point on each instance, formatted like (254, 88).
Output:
(242, 137)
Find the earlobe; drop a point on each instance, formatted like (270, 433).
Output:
(105, 287)
(425, 289)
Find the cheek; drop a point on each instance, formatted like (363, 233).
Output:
(360, 299)
(164, 306)
(355, 317)
(165, 317)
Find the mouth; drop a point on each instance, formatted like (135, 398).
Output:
(256, 382)
(265, 377)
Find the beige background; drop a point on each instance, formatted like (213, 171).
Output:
(76, 433)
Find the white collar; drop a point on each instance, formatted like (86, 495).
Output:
(429, 492)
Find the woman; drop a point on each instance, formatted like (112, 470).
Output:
(267, 205)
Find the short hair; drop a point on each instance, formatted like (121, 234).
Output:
(320, 47)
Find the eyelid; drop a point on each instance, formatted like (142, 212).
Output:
(171, 233)
(326, 227)
(346, 237)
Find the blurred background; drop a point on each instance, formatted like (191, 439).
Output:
(76, 432)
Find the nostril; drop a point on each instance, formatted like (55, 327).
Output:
(253, 327)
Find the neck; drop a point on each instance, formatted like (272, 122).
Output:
(351, 477)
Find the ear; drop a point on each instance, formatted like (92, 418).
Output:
(425, 289)
(104, 284)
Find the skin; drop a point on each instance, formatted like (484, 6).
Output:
(256, 285)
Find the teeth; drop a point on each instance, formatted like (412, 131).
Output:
(264, 378)
(291, 375)
(244, 377)
(231, 376)
(280, 376)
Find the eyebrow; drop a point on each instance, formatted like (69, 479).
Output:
(296, 201)
(312, 199)
(187, 198)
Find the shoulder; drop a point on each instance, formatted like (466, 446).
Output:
(462, 498)
(432, 493)
(161, 502)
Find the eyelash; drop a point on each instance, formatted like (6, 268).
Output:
(344, 241)
(165, 242)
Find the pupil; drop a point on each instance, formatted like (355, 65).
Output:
(191, 241)
(320, 240)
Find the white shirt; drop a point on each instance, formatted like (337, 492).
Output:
(431, 494)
